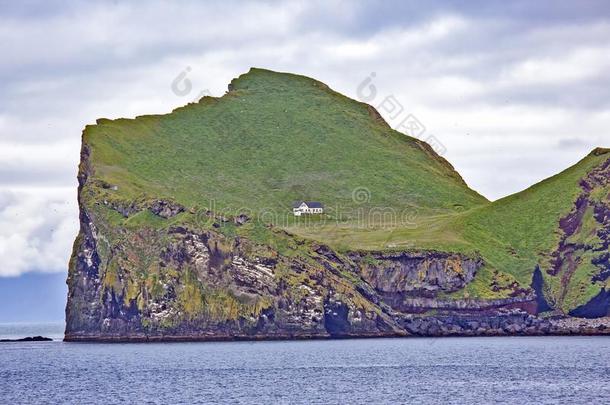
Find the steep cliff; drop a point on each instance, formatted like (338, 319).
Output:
(187, 233)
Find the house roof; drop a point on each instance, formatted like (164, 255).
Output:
(310, 204)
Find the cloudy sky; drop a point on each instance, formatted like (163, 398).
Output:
(510, 93)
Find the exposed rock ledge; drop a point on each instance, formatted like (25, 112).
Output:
(306, 302)
(178, 283)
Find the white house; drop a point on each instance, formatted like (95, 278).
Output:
(307, 207)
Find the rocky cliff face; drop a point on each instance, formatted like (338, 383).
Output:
(153, 261)
(202, 285)
(205, 286)
(187, 282)
(584, 248)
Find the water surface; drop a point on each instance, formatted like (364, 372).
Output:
(444, 370)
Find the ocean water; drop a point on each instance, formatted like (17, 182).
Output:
(408, 370)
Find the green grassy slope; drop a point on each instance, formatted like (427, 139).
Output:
(528, 221)
(274, 138)
(516, 233)
(513, 234)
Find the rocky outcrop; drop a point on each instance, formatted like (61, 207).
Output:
(419, 305)
(166, 209)
(28, 339)
(190, 274)
(416, 274)
(597, 307)
(205, 286)
(585, 239)
(505, 322)
(542, 304)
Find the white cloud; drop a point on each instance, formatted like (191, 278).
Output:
(512, 98)
(579, 64)
(395, 40)
(37, 228)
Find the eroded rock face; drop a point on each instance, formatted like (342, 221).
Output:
(166, 209)
(417, 273)
(505, 322)
(203, 286)
(584, 239)
(145, 283)
(597, 307)
(542, 304)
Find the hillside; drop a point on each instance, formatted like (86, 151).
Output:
(187, 230)
(273, 139)
(514, 235)
(525, 230)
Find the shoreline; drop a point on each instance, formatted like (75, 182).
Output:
(202, 339)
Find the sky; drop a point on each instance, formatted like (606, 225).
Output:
(509, 92)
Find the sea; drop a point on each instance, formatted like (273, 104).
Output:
(511, 370)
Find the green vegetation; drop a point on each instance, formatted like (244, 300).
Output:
(512, 235)
(513, 232)
(275, 138)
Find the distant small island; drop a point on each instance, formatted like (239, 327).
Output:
(28, 339)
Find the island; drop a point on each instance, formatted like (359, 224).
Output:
(188, 229)
(28, 339)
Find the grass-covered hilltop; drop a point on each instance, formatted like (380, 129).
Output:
(187, 229)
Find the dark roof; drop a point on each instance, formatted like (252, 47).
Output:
(310, 204)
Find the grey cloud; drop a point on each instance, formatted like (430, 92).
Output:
(527, 12)
(38, 176)
(36, 230)
(67, 63)
(571, 143)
